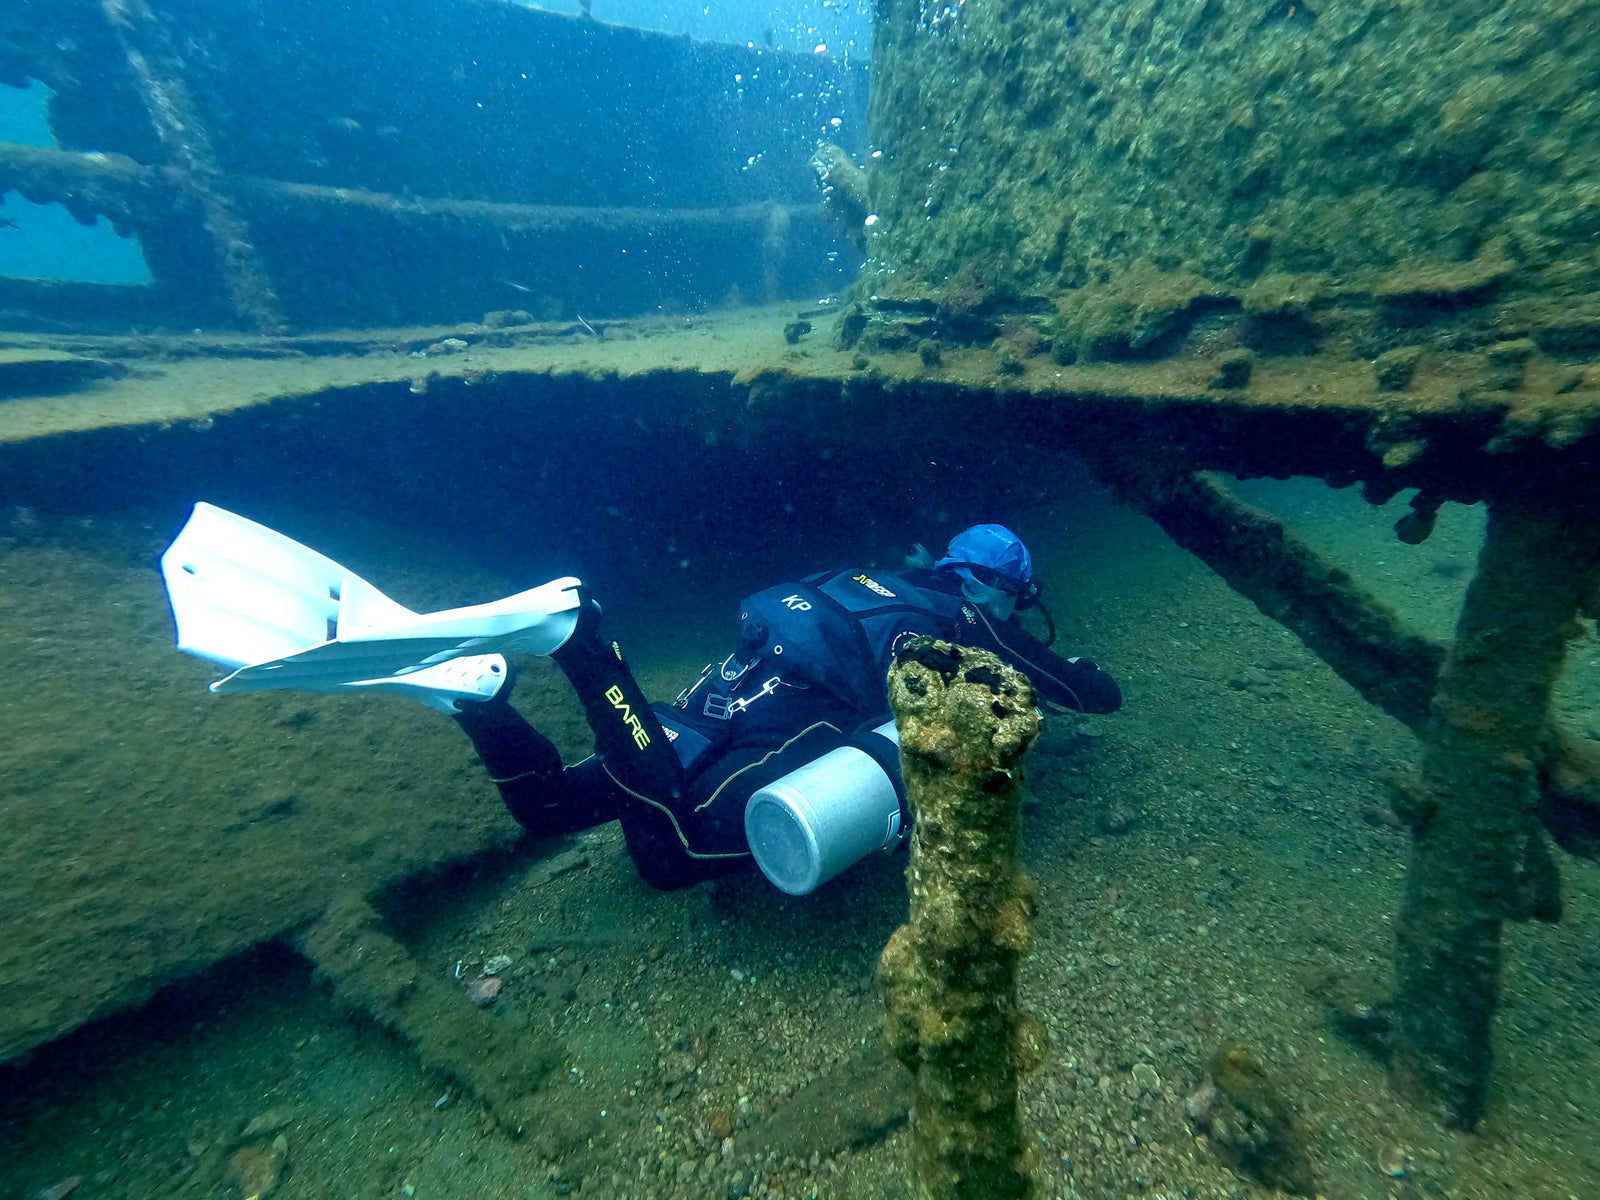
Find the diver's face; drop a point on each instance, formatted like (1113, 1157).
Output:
(998, 603)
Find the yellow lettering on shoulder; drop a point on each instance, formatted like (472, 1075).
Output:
(872, 585)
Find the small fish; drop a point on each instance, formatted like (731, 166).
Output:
(8, 223)
(592, 330)
(526, 291)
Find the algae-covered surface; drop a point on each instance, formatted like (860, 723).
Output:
(1212, 865)
(732, 359)
(195, 378)
(1033, 147)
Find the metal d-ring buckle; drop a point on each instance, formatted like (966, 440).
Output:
(681, 700)
(722, 708)
(744, 702)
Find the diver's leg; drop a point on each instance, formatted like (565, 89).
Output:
(674, 846)
(547, 800)
(635, 772)
(544, 798)
(627, 735)
(660, 858)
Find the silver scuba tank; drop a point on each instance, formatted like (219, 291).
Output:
(824, 816)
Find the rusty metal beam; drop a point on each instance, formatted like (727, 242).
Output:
(1365, 643)
(135, 194)
(159, 73)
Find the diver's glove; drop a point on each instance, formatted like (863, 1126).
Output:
(445, 686)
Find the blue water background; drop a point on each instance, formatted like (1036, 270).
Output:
(843, 26)
(47, 242)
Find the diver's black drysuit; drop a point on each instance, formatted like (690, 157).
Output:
(809, 675)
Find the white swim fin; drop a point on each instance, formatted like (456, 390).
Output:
(475, 677)
(284, 616)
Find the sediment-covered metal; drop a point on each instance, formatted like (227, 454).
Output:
(375, 974)
(158, 71)
(1480, 857)
(131, 193)
(1145, 158)
(1352, 631)
(950, 973)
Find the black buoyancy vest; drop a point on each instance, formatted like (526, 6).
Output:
(839, 631)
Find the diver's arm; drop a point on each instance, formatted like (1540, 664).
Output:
(1076, 683)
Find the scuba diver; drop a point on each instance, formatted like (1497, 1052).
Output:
(785, 750)
(783, 753)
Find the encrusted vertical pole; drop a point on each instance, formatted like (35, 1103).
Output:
(950, 973)
(1479, 857)
(158, 72)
